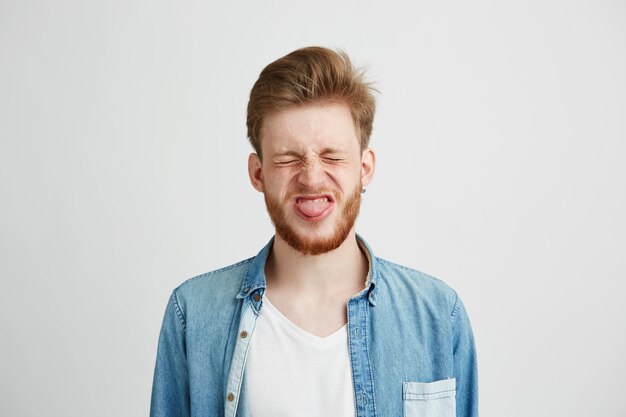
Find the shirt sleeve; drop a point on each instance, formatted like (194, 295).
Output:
(465, 369)
(170, 388)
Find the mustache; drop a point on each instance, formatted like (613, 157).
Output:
(301, 190)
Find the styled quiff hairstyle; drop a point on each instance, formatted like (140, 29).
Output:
(312, 75)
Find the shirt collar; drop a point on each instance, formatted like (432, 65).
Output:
(255, 277)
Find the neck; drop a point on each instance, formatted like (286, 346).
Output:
(343, 269)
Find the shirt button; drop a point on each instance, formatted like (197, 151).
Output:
(245, 290)
(256, 297)
(230, 396)
(243, 334)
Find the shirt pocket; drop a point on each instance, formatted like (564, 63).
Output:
(429, 399)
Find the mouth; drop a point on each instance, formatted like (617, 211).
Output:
(313, 207)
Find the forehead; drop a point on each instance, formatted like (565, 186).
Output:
(311, 126)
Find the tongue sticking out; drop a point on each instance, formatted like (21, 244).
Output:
(313, 208)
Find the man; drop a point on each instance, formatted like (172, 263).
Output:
(315, 324)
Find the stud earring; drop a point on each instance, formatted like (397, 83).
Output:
(363, 190)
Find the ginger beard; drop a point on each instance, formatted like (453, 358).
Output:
(307, 245)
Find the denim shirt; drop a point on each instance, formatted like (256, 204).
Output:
(409, 338)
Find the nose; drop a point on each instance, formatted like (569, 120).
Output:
(312, 174)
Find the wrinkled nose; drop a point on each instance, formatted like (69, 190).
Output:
(312, 174)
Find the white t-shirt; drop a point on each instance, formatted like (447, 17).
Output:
(291, 372)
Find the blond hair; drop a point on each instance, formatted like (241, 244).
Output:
(312, 75)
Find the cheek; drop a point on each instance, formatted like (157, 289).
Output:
(277, 184)
(347, 179)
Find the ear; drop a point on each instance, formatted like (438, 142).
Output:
(255, 171)
(368, 165)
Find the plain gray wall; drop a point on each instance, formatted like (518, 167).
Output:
(500, 137)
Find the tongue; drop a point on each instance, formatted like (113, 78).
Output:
(313, 208)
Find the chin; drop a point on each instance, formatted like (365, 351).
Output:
(313, 242)
(315, 238)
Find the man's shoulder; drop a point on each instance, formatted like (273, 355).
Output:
(404, 281)
(219, 282)
(395, 270)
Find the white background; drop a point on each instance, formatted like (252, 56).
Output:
(500, 138)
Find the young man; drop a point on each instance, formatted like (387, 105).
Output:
(315, 324)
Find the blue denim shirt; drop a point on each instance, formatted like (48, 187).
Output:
(410, 342)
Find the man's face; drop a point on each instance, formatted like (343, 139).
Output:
(311, 175)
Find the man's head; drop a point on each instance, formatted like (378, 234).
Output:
(312, 75)
(310, 117)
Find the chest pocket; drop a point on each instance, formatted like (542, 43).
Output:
(429, 399)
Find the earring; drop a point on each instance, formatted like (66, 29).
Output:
(363, 190)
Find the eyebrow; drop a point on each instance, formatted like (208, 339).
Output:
(330, 150)
(288, 153)
(322, 152)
